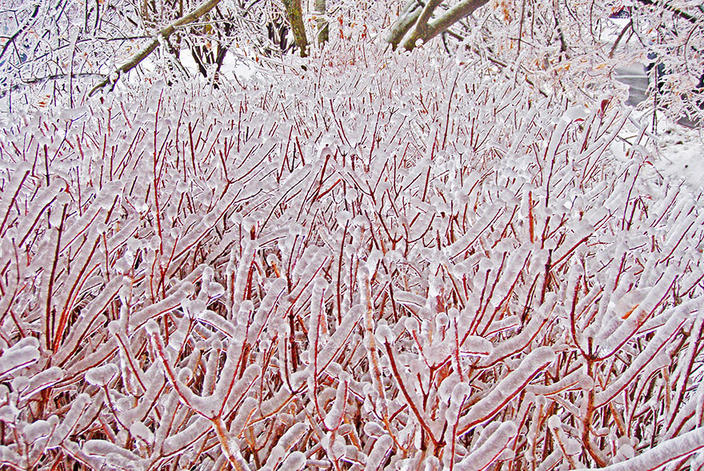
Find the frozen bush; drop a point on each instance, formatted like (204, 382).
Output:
(471, 280)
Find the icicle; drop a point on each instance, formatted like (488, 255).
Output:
(243, 266)
(266, 307)
(379, 452)
(235, 394)
(316, 319)
(370, 341)
(42, 380)
(285, 443)
(519, 342)
(294, 461)
(105, 448)
(647, 355)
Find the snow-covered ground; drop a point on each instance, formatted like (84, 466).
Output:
(680, 151)
(679, 156)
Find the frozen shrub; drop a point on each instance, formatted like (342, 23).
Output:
(355, 269)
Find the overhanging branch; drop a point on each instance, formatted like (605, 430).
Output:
(404, 23)
(163, 34)
(415, 22)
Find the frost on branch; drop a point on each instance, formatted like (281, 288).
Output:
(304, 274)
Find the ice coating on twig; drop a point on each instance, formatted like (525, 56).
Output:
(384, 261)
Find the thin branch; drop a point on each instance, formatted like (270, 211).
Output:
(619, 38)
(36, 80)
(21, 30)
(675, 11)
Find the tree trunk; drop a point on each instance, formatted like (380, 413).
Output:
(320, 10)
(294, 12)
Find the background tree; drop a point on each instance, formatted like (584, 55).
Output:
(544, 40)
(418, 24)
(61, 47)
(319, 9)
(294, 13)
(554, 45)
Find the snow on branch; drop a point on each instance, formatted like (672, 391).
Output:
(655, 458)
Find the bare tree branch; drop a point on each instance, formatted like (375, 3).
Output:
(404, 23)
(420, 30)
(164, 33)
(416, 18)
(294, 14)
(452, 16)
